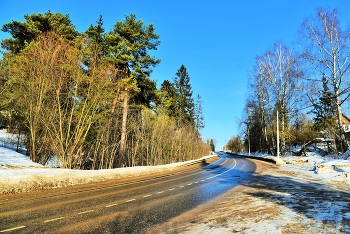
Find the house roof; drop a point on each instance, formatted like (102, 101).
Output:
(346, 120)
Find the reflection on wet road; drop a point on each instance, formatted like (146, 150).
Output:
(128, 207)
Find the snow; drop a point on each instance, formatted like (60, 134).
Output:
(15, 168)
(325, 168)
(19, 174)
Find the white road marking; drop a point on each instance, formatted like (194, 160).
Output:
(87, 211)
(130, 200)
(224, 171)
(12, 229)
(196, 182)
(50, 220)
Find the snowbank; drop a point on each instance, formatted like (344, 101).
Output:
(264, 157)
(19, 174)
(325, 168)
(10, 158)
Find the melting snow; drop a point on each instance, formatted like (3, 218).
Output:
(18, 173)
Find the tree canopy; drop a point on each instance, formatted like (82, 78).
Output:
(87, 98)
(288, 83)
(36, 24)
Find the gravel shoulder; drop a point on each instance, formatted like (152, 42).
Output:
(301, 196)
(276, 200)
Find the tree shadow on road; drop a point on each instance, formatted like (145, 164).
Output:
(323, 204)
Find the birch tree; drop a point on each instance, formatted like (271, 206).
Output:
(275, 83)
(326, 49)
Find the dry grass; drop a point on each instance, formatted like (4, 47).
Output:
(293, 228)
(255, 208)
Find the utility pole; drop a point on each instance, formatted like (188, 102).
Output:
(278, 136)
(248, 141)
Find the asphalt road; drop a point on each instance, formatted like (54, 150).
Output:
(128, 206)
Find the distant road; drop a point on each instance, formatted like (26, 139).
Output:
(122, 206)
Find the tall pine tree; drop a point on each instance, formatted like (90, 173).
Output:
(325, 108)
(129, 43)
(184, 103)
(199, 118)
(36, 24)
(167, 98)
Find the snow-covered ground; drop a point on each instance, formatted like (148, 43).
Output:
(278, 199)
(18, 173)
(243, 210)
(324, 168)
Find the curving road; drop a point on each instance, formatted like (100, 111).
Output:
(128, 206)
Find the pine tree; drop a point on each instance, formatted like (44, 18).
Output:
(199, 118)
(184, 102)
(95, 35)
(128, 46)
(325, 108)
(25, 32)
(212, 145)
(167, 98)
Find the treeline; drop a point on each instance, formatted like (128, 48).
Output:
(87, 99)
(302, 89)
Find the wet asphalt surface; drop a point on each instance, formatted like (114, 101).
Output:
(275, 200)
(123, 206)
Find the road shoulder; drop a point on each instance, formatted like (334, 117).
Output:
(274, 201)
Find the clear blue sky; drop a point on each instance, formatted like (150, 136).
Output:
(217, 41)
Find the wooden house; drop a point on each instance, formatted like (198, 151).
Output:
(346, 123)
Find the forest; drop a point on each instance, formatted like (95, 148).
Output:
(87, 99)
(297, 95)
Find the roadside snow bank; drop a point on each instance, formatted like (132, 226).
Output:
(277, 160)
(14, 180)
(335, 170)
(19, 174)
(265, 157)
(313, 164)
(10, 158)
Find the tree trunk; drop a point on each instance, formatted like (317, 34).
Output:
(115, 101)
(124, 122)
(340, 126)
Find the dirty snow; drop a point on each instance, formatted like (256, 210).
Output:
(19, 174)
(278, 199)
(307, 194)
(325, 168)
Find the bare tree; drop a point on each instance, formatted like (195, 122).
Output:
(29, 75)
(155, 139)
(326, 49)
(61, 98)
(275, 83)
